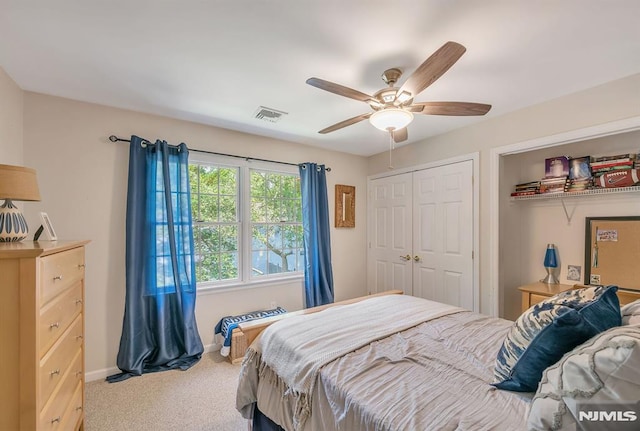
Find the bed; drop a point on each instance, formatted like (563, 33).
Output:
(393, 362)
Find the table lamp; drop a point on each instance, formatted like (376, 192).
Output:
(17, 183)
(550, 264)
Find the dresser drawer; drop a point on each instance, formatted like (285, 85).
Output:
(54, 410)
(60, 271)
(535, 298)
(56, 316)
(54, 366)
(74, 411)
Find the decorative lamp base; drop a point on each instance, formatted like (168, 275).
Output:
(550, 278)
(13, 225)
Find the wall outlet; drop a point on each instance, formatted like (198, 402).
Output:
(273, 304)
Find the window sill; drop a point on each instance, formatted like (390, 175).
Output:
(209, 288)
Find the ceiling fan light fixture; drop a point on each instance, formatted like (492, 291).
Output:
(391, 119)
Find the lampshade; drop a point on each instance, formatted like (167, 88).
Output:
(20, 184)
(391, 119)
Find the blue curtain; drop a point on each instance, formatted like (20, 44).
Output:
(318, 275)
(159, 330)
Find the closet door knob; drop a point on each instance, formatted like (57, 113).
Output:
(416, 258)
(407, 257)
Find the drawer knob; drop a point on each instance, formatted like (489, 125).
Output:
(78, 301)
(79, 337)
(54, 372)
(54, 325)
(79, 408)
(57, 277)
(54, 420)
(81, 265)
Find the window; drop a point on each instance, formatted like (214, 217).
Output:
(247, 222)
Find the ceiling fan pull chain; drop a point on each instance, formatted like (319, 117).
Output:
(391, 142)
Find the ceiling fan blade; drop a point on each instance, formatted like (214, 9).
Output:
(400, 135)
(338, 89)
(451, 108)
(345, 123)
(433, 68)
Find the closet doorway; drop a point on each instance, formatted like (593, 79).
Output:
(421, 234)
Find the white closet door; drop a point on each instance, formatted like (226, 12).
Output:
(443, 234)
(390, 242)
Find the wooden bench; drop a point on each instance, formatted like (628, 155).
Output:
(246, 332)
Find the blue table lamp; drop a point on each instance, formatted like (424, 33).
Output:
(550, 264)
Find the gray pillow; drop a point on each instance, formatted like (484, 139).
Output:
(631, 313)
(603, 371)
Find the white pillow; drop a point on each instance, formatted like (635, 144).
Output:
(631, 313)
(603, 369)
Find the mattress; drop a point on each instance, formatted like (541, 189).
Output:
(433, 376)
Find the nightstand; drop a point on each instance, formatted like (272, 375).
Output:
(537, 292)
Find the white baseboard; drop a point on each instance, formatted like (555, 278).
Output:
(103, 373)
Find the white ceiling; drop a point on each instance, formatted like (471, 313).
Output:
(216, 62)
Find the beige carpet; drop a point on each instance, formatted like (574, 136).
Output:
(201, 398)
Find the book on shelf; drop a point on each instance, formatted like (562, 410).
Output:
(552, 190)
(616, 157)
(600, 170)
(609, 163)
(553, 187)
(554, 180)
(529, 184)
(579, 184)
(524, 193)
(556, 166)
(579, 167)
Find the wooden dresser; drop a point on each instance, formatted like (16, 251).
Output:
(42, 335)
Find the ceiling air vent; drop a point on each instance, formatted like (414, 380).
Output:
(269, 114)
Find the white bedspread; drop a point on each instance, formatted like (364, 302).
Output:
(293, 350)
(433, 376)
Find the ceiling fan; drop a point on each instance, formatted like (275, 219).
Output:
(393, 107)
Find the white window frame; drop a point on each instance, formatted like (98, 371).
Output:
(244, 216)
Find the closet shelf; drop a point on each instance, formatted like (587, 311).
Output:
(568, 195)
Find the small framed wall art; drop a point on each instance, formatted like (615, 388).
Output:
(345, 214)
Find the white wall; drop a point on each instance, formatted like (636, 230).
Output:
(83, 183)
(609, 102)
(11, 103)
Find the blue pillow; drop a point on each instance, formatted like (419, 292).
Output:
(551, 328)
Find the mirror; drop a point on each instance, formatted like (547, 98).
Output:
(612, 251)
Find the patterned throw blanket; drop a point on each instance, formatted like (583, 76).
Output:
(293, 350)
(227, 324)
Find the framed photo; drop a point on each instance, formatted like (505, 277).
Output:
(345, 208)
(48, 227)
(574, 272)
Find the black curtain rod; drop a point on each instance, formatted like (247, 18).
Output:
(114, 138)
